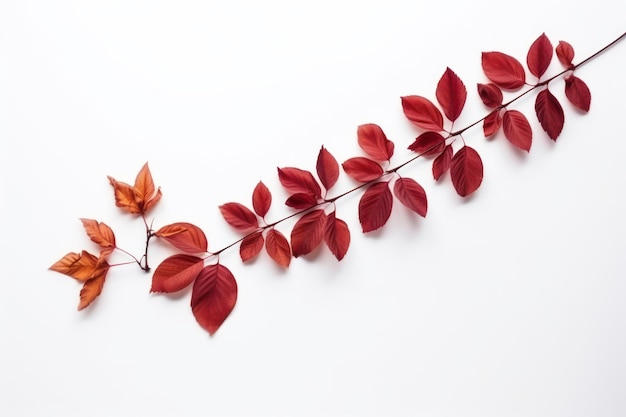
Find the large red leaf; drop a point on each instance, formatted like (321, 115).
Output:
(336, 236)
(578, 93)
(492, 123)
(539, 56)
(239, 216)
(176, 273)
(375, 206)
(184, 236)
(327, 168)
(441, 164)
(428, 144)
(411, 194)
(565, 53)
(466, 170)
(503, 70)
(251, 246)
(490, 94)
(277, 247)
(422, 112)
(362, 169)
(261, 199)
(373, 141)
(550, 113)
(517, 129)
(101, 234)
(308, 232)
(451, 94)
(213, 296)
(296, 180)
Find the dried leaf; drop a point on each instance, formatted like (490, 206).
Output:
(296, 180)
(278, 248)
(550, 113)
(251, 246)
(578, 93)
(101, 234)
(213, 296)
(422, 112)
(539, 56)
(490, 94)
(124, 196)
(503, 70)
(451, 94)
(184, 236)
(176, 273)
(336, 236)
(565, 53)
(301, 201)
(441, 164)
(141, 197)
(411, 194)
(466, 170)
(308, 232)
(362, 169)
(373, 141)
(428, 144)
(261, 199)
(81, 267)
(239, 216)
(375, 206)
(144, 188)
(517, 129)
(327, 168)
(92, 288)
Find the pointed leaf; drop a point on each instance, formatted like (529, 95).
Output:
(539, 56)
(428, 144)
(301, 201)
(81, 267)
(261, 199)
(278, 248)
(411, 194)
(550, 113)
(503, 70)
(373, 141)
(144, 186)
(101, 234)
(124, 196)
(375, 207)
(441, 164)
(466, 170)
(308, 232)
(362, 169)
(578, 93)
(565, 53)
(517, 129)
(451, 94)
(296, 180)
(251, 246)
(327, 168)
(239, 216)
(490, 94)
(92, 288)
(492, 123)
(184, 236)
(336, 236)
(213, 296)
(422, 112)
(176, 273)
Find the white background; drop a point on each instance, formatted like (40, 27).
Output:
(509, 303)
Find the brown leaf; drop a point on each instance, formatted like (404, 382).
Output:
(91, 290)
(101, 234)
(145, 192)
(81, 266)
(124, 196)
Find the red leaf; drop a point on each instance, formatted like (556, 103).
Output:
(466, 170)
(301, 201)
(565, 53)
(176, 273)
(422, 112)
(81, 267)
(296, 180)
(490, 94)
(503, 70)
(375, 207)
(278, 247)
(373, 141)
(362, 169)
(441, 164)
(451, 94)
(411, 194)
(101, 234)
(336, 236)
(213, 296)
(261, 199)
(517, 129)
(550, 113)
(578, 93)
(539, 56)
(428, 144)
(184, 236)
(492, 123)
(251, 246)
(239, 216)
(327, 168)
(308, 232)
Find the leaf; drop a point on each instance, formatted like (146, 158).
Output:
(261, 199)
(81, 267)
(441, 164)
(101, 234)
(428, 144)
(517, 129)
(213, 296)
(492, 123)
(176, 273)
(336, 236)
(578, 93)
(278, 248)
(308, 232)
(362, 169)
(124, 196)
(550, 113)
(503, 70)
(422, 112)
(239, 216)
(375, 207)
(92, 288)
(251, 246)
(327, 168)
(373, 141)
(184, 236)
(466, 170)
(451, 94)
(411, 194)
(490, 94)
(301, 201)
(539, 56)
(565, 53)
(139, 198)
(296, 180)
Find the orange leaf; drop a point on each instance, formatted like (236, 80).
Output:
(101, 234)
(184, 236)
(93, 287)
(146, 194)
(82, 267)
(124, 196)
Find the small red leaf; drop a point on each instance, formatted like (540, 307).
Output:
(176, 273)
(441, 164)
(451, 94)
(277, 247)
(466, 170)
(422, 112)
(492, 123)
(503, 70)
(550, 113)
(565, 53)
(373, 141)
(261, 199)
(362, 169)
(296, 180)
(184, 236)
(578, 93)
(428, 144)
(490, 94)
(336, 236)
(239, 216)
(308, 232)
(517, 129)
(251, 246)
(327, 168)
(375, 207)
(301, 201)
(213, 296)
(101, 234)
(539, 56)
(411, 194)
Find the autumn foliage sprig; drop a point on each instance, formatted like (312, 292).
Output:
(214, 291)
